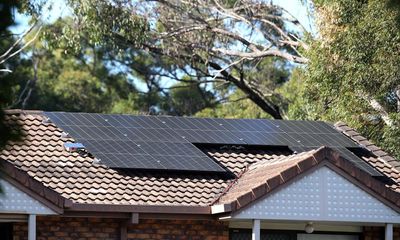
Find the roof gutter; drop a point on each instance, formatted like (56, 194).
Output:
(167, 209)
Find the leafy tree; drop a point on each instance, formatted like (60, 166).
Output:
(53, 79)
(85, 79)
(7, 130)
(236, 106)
(187, 98)
(353, 73)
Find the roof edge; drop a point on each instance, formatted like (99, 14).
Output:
(34, 188)
(167, 209)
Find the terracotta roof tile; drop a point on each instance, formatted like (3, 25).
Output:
(378, 159)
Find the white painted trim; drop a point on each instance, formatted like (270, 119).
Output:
(13, 217)
(305, 236)
(299, 226)
(389, 231)
(256, 230)
(220, 208)
(32, 227)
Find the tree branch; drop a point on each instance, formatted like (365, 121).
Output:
(378, 108)
(270, 52)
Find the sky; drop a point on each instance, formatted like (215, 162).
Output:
(60, 9)
(299, 11)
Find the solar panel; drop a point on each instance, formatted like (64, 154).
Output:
(209, 136)
(151, 155)
(347, 154)
(271, 139)
(162, 141)
(360, 163)
(141, 142)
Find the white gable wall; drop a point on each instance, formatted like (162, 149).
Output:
(13, 200)
(322, 195)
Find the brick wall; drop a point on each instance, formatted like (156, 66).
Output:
(67, 228)
(70, 228)
(179, 229)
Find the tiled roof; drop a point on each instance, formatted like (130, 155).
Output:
(42, 156)
(264, 177)
(259, 173)
(376, 156)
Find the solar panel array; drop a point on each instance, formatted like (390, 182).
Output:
(164, 142)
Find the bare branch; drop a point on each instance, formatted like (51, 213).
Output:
(378, 107)
(17, 42)
(271, 52)
(6, 57)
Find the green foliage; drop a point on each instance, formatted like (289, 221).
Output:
(237, 106)
(66, 82)
(188, 98)
(296, 106)
(98, 22)
(7, 130)
(354, 61)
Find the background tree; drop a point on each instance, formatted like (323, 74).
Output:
(51, 76)
(7, 41)
(354, 74)
(213, 41)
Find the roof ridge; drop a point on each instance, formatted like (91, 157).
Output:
(229, 186)
(22, 111)
(281, 159)
(381, 155)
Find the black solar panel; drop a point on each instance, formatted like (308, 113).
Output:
(141, 142)
(167, 142)
(363, 165)
(347, 154)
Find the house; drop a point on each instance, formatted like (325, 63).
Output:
(97, 176)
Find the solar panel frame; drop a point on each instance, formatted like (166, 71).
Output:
(106, 146)
(265, 125)
(241, 126)
(173, 123)
(210, 137)
(268, 139)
